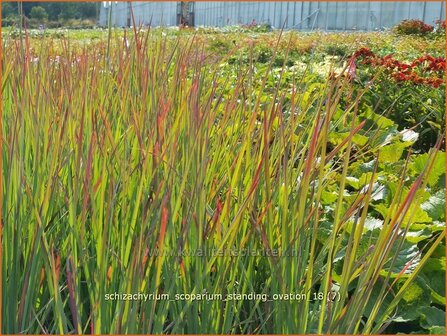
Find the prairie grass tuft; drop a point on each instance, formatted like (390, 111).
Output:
(148, 163)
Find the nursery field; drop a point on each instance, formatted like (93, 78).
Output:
(223, 181)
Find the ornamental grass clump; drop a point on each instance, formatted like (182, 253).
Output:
(144, 165)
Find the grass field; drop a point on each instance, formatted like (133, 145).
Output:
(223, 181)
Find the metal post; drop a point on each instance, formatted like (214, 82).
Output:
(128, 21)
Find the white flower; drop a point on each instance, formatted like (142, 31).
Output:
(409, 135)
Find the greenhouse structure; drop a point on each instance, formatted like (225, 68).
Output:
(303, 15)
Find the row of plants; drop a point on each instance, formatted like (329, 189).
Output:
(406, 91)
(407, 72)
(419, 27)
(158, 141)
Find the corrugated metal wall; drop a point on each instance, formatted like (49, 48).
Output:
(145, 13)
(303, 15)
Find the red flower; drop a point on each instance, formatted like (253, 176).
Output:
(364, 52)
(402, 72)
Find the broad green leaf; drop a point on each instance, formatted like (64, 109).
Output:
(417, 236)
(437, 330)
(414, 214)
(432, 317)
(360, 140)
(434, 276)
(437, 171)
(414, 298)
(324, 231)
(414, 293)
(408, 254)
(365, 179)
(328, 197)
(381, 121)
(407, 260)
(352, 181)
(391, 153)
(374, 297)
(435, 206)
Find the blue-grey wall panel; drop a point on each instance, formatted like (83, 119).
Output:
(302, 15)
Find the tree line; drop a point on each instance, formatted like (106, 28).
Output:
(51, 11)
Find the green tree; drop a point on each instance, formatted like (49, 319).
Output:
(38, 13)
(51, 11)
(87, 10)
(68, 11)
(8, 10)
